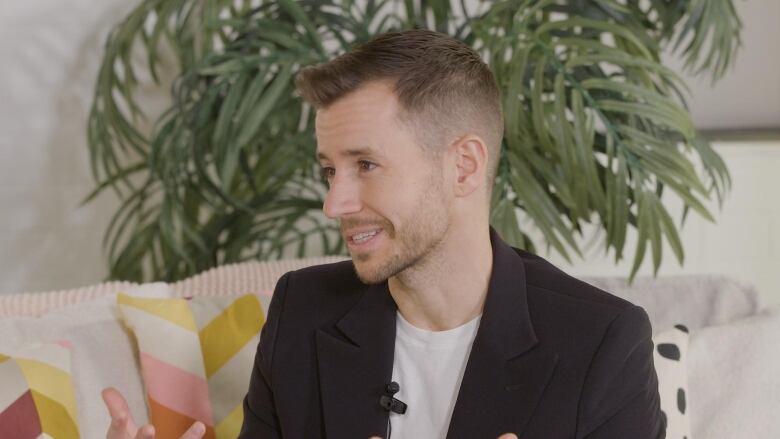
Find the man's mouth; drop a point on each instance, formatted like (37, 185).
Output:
(364, 238)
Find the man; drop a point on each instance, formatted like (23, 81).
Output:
(480, 339)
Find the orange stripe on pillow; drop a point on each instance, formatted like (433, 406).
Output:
(169, 423)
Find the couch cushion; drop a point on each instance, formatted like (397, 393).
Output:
(734, 379)
(697, 300)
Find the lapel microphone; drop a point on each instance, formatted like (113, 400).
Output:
(389, 402)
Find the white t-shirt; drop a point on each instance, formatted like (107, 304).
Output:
(428, 366)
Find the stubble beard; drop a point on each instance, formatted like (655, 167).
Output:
(422, 233)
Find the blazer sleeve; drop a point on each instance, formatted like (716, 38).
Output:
(260, 417)
(620, 396)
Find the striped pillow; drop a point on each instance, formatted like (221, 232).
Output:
(196, 358)
(36, 393)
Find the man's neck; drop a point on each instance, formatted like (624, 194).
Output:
(448, 287)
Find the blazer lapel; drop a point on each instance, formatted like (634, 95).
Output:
(355, 363)
(505, 376)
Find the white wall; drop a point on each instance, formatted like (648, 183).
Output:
(49, 53)
(749, 95)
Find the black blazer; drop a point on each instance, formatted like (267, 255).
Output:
(553, 358)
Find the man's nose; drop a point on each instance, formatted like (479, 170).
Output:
(343, 198)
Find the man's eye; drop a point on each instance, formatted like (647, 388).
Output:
(326, 173)
(366, 165)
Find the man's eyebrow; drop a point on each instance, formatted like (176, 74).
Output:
(350, 153)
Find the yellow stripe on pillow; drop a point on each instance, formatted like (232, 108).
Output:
(242, 320)
(231, 425)
(56, 420)
(176, 311)
(50, 381)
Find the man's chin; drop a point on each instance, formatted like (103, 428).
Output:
(367, 275)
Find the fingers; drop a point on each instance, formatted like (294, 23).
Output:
(145, 432)
(117, 406)
(122, 424)
(196, 431)
(118, 428)
(123, 427)
(115, 402)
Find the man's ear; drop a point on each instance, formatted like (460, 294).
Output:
(471, 160)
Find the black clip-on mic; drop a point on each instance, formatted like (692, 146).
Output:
(391, 404)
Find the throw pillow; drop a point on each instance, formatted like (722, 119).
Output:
(36, 393)
(671, 364)
(196, 359)
(104, 353)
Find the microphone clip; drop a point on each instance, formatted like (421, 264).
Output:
(390, 403)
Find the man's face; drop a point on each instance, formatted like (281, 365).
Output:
(379, 180)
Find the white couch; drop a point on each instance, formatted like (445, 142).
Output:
(733, 356)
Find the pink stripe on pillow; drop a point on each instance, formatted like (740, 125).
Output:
(177, 389)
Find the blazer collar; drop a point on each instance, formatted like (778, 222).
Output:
(355, 363)
(505, 374)
(506, 326)
(504, 377)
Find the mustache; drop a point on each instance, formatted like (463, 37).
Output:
(355, 224)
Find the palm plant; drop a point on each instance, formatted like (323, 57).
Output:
(596, 127)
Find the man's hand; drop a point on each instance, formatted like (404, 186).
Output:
(122, 424)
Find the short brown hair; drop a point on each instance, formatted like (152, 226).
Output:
(443, 87)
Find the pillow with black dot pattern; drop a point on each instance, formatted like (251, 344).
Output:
(671, 364)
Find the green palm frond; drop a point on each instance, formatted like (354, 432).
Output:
(710, 36)
(596, 127)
